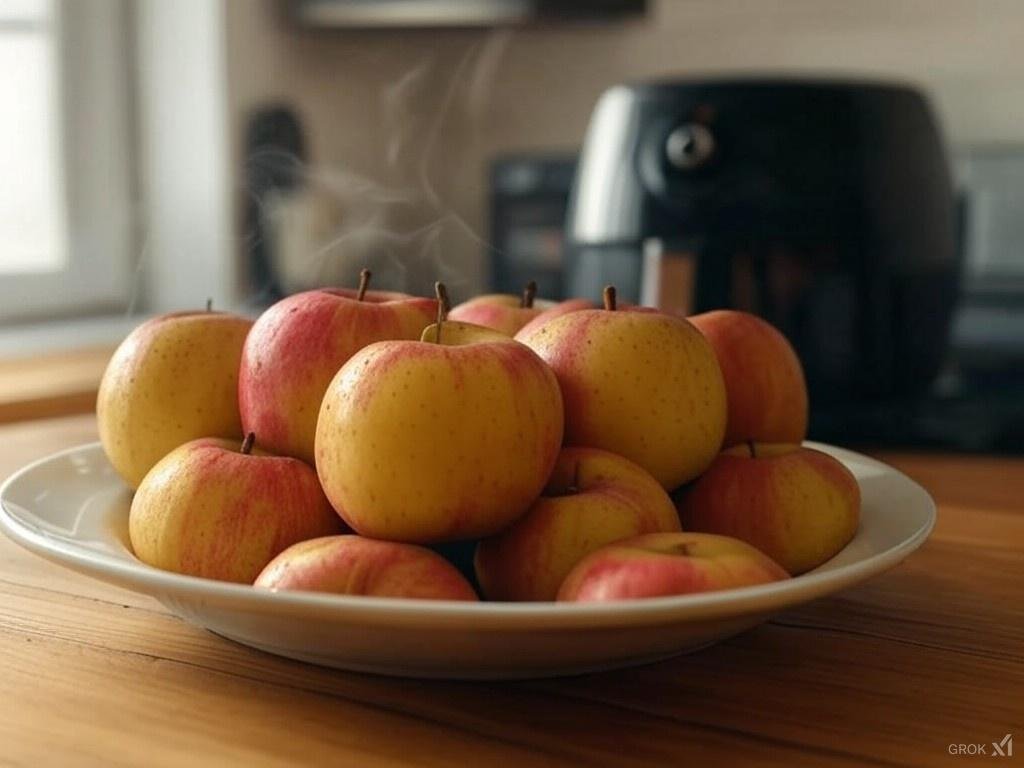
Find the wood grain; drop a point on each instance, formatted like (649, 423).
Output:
(55, 384)
(888, 673)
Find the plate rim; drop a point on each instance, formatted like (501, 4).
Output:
(484, 615)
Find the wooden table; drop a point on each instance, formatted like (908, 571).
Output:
(889, 673)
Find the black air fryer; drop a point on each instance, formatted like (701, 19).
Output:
(826, 208)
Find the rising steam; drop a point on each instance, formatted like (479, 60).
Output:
(330, 222)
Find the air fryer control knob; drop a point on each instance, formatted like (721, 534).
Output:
(689, 146)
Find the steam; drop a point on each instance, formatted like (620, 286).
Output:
(137, 280)
(484, 73)
(328, 223)
(396, 102)
(324, 224)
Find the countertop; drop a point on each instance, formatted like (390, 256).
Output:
(39, 386)
(892, 672)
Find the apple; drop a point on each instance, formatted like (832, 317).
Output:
(211, 508)
(592, 498)
(297, 346)
(664, 564)
(173, 379)
(797, 505)
(450, 437)
(354, 565)
(502, 311)
(764, 382)
(638, 382)
(561, 308)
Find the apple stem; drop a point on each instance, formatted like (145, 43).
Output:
(209, 304)
(609, 298)
(529, 294)
(750, 447)
(248, 443)
(443, 305)
(364, 283)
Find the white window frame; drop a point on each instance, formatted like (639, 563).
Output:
(96, 150)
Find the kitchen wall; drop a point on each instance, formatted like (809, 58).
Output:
(406, 122)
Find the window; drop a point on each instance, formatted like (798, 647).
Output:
(65, 227)
(33, 229)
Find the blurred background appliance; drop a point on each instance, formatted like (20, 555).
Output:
(975, 402)
(979, 397)
(827, 208)
(529, 198)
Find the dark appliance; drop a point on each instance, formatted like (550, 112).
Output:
(529, 197)
(825, 207)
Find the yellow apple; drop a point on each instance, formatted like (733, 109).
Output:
(592, 498)
(451, 437)
(173, 379)
(210, 508)
(640, 383)
(665, 564)
(354, 565)
(797, 505)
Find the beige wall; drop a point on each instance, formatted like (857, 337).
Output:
(420, 113)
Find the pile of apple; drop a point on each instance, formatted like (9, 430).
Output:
(363, 442)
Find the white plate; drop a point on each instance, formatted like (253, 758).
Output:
(72, 509)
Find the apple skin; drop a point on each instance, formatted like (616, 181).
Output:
(640, 383)
(499, 311)
(206, 509)
(561, 308)
(797, 505)
(764, 381)
(173, 379)
(297, 346)
(424, 442)
(354, 565)
(592, 498)
(665, 564)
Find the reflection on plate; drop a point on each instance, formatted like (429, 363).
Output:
(72, 509)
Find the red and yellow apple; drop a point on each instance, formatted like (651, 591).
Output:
(297, 346)
(592, 498)
(447, 438)
(665, 564)
(501, 311)
(764, 382)
(640, 383)
(797, 505)
(561, 308)
(173, 379)
(354, 565)
(211, 508)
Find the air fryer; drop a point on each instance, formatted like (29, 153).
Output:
(826, 208)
